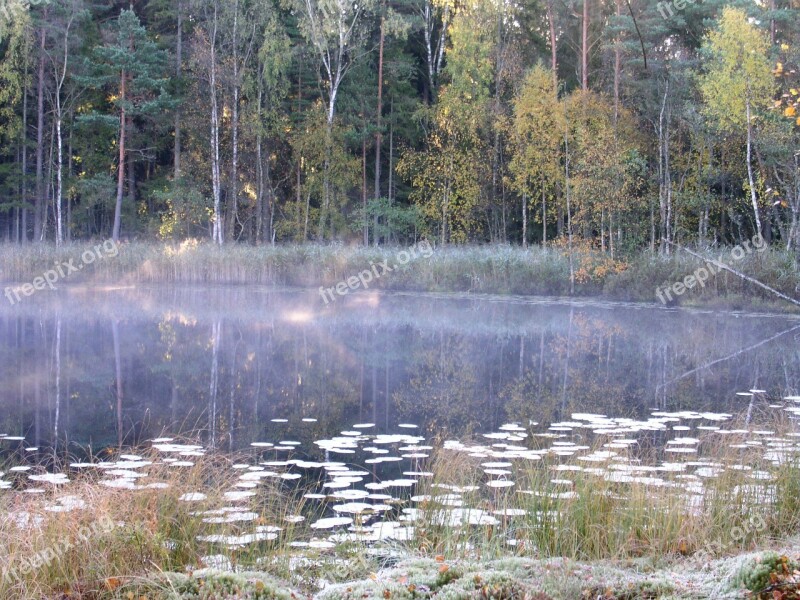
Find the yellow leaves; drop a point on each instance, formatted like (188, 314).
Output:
(798, 121)
(738, 70)
(790, 111)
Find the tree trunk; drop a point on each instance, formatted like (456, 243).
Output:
(378, 131)
(215, 175)
(544, 215)
(24, 179)
(178, 72)
(617, 69)
(524, 220)
(442, 39)
(300, 158)
(750, 178)
(121, 167)
(391, 150)
(497, 109)
(59, 84)
(585, 47)
(68, 226)
(602, 229)
(259, 162)
(59, 175)
(364, 189)
(233, 204)
(131, 173)
(553, 47)
(427, 17)
(662, 177)
(326, 177)
(569, 208)
(39, 206)
(772, 28)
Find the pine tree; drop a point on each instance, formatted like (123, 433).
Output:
(131, 68)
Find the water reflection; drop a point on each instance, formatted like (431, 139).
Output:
(255, 364)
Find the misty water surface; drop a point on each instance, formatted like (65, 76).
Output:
(99, 368)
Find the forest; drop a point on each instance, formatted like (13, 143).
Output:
(617, 125)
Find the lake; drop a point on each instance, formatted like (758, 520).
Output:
(102, 367)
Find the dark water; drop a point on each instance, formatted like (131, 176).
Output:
(98, 368)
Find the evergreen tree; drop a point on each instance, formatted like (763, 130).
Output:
(131, 68)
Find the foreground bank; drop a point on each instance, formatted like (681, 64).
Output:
(762, 575)
(619, 508)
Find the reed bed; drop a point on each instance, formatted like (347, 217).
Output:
(482, 269)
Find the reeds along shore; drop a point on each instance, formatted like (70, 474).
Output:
(480, 269)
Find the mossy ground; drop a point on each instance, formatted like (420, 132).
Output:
(769, 574)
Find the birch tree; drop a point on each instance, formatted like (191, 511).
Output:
(336, 31)
(738, 83)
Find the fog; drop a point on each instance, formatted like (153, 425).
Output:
(103, 367)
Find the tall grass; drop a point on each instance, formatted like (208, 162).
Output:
(485, 269)
(122, 537)
(603, 516)
(750, 496)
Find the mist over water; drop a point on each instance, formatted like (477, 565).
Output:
(244, 364)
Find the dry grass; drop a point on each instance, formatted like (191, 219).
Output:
(597, 517)
(485, 269)
(123, 535)
(619, 514)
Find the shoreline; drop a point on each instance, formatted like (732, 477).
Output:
(338, 270)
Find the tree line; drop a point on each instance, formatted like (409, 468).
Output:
(614, 124)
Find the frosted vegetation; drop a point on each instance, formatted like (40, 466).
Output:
(512, 513)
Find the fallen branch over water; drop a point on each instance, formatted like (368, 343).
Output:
(725, 267)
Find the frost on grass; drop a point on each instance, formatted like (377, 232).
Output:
(752, 575)
(211, 584)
